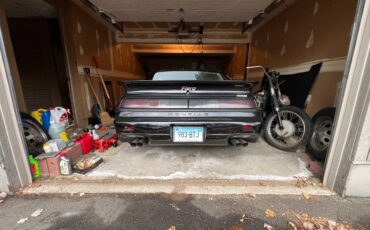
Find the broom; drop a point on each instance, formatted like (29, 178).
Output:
(105, 119)
(95, 63)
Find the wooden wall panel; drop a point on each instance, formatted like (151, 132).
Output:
(86, 35)
(236, 68)
(304, 32)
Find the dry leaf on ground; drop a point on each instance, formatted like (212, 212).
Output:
(270, 213)
(235, 227)
(252, 195)
(268, 227)
(37, 212)
(307, 196)
(172, 228)
(22, 221)
(307, 222)
(301, 182)
(3, 195)
(292, 226)
(243, 218)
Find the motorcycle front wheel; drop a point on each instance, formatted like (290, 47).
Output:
(296, 130)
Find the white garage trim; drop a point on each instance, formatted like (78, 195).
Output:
(121, 39)
(328, 65)
(354, 102)
(14, 168)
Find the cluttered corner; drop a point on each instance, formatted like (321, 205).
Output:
(56, 147)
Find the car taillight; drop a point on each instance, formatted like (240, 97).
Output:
(238, 103)
(128, 128)
(154, 103)
(247, 128)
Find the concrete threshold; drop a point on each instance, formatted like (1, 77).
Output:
(78, 185)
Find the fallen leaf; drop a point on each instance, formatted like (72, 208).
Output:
(292, 226)
(307, 196)
(172, 228)
(242, 219)
(236, 228)
(332, 224)
(3, 195)
(308, 226)
(252, 195)
(37, 212)
(301, 182)
(22, 221)
(34, 185)
(308, 222)
(270, 213)
(268, 227)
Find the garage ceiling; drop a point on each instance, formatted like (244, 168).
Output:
(189, 10)
(149, 21)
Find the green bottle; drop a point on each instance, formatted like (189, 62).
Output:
(35, 168)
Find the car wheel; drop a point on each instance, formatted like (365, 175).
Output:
(322, 132)
(34, 134)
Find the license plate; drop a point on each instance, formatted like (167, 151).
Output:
(188, 134)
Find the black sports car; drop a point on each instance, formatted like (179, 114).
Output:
(188, 108)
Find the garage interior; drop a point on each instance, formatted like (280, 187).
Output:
(54, 40)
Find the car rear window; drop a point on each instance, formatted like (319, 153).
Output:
(187, 76)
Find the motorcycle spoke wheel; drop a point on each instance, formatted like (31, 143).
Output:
(293, 130)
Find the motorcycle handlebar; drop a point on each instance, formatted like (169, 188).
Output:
(259, 67)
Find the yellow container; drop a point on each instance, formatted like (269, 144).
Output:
(37, 114)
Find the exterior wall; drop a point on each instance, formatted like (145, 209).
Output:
(14, 170)
(348, 165)
(307, 31)
(358, 181)
(11, 57)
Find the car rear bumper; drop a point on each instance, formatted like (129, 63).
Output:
(161, 133)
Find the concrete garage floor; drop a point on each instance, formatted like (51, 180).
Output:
(258, 168)
(258, 161)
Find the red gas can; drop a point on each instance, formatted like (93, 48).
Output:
(86, 142)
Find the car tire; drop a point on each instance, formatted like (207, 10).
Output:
(34, 134)
(322, 130)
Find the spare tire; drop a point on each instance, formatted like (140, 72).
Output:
(322, 131)
(34, 134)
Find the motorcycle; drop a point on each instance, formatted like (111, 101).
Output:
(285, 127)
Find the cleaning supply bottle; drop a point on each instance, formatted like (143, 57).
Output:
(35, 168)
(37, 114)
(57, 131)
(65, 165)
(95, 135)
(45, 117)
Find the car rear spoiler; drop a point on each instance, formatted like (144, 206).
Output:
(205, 84)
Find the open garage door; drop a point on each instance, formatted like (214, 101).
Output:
(132, 43)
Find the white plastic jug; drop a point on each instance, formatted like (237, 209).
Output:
(60, 114)
(57, 131)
